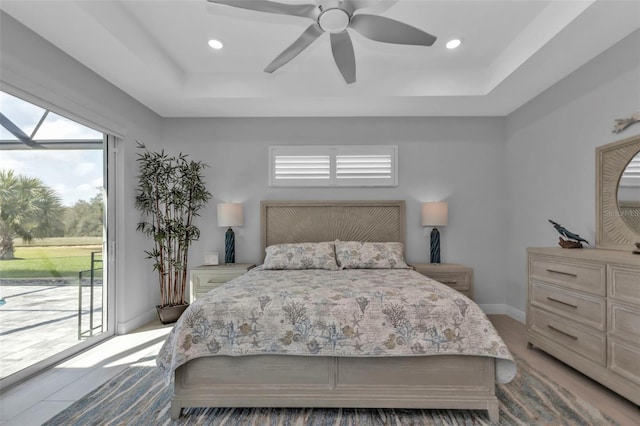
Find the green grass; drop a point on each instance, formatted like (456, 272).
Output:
(59, 241)
(55, 258)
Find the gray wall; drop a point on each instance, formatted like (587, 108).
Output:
(550, 154)
(460, 160)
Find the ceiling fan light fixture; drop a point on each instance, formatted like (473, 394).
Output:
(335, 17)
(334, 20)
(454, 43)
(215, 44)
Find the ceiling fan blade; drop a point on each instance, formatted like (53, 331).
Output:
(310, 11)
(388, 30)
(306, 38)
(342, 49)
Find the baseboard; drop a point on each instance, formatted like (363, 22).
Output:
(137, 322)
(502, 309)
(493, 309)
(516, 314)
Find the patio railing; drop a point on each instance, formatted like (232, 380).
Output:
(92, 274)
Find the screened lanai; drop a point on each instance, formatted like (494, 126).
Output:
(52, 233)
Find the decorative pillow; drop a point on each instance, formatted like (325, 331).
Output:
(301, 256)
(360, 255)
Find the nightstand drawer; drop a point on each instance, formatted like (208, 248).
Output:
(206, 278)
(582, 276)
(585, 309)
(218, 278)
(202, 283)
(458, 277)
(456, 281)
(564, 333)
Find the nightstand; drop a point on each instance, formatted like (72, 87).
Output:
(458, 277)
(207, 277)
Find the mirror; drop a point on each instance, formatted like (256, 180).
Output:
(629, 194)
(618, 194)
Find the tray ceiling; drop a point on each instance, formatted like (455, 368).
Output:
(157, 52)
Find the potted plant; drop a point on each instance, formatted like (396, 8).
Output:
(170, 193)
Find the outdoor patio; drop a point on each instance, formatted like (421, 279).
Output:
(40, 318)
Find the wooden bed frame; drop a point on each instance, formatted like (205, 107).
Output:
(430, 382)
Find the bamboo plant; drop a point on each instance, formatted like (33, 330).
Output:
(170, 193)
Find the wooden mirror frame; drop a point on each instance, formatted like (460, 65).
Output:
(611, 230)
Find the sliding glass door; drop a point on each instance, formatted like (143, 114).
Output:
(54, 237)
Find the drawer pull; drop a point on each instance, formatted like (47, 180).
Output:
(562, 332)
(562, 303)
(449, 282)
(563, 273)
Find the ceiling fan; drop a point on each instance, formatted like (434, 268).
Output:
(335, 17)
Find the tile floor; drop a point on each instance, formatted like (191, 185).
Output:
(40, 319)
(40, 398)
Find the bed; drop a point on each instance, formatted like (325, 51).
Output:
(330, 358)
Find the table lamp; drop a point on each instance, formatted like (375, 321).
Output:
(230, 214)
(435, 214)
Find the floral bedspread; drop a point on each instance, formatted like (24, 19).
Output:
(355, 313)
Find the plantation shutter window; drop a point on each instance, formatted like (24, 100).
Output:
(299, 166)
(302, 167)
(351, 165)
(374, 166)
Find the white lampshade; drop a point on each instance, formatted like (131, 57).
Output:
(435, 213)
(230, 214)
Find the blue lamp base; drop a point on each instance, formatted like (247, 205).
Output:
(229, 246)
(435, 245)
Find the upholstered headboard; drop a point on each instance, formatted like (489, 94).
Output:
(315, 221)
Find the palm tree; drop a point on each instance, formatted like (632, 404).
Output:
(28, 209)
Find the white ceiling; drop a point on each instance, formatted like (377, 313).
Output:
(156, 51)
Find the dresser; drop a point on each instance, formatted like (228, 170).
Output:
(207, 277)
(584, 309)
(458, 277)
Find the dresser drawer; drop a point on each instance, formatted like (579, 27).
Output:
(624, 321)
(583, 276)
(577, 340)
(624, 359)
(624, 283)
(587, 310)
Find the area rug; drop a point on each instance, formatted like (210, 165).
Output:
(138, 396)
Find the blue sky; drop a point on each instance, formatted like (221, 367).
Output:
(73, 174)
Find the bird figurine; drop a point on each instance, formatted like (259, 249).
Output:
(573, 240)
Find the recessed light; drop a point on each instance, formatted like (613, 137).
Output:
(452, 44)
(215, 44)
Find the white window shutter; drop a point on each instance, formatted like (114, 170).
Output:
(299, 166)
(366, 166)
(351, 165)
